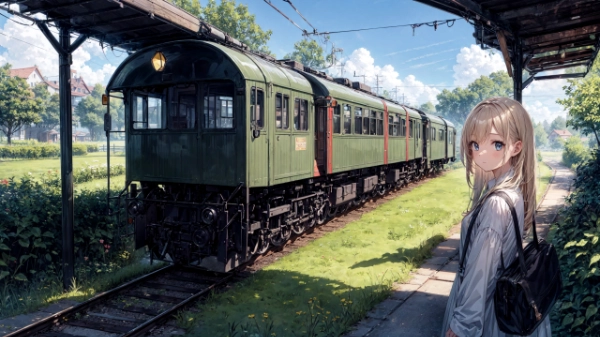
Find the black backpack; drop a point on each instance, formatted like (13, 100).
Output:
(527, 290)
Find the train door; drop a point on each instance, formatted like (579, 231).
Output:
(321, 140)
(282, 142)
(258, 148)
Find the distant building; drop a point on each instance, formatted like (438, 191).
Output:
(33, 76)
(563, 134)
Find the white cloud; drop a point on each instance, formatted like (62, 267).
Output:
(360, 62)
(545, 93)
(27, 46)
(540, 112)
(473, 62)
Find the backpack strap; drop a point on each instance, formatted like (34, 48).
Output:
(504, 196)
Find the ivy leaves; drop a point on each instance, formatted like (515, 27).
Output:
(577, 241)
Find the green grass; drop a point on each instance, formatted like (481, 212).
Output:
(342, 275)
(19, 168)
(545, 175)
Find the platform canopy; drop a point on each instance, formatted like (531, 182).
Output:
(535, 35)
(125, 24)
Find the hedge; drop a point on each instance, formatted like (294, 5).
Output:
(30, 227)
(42, 151)
(577, 241)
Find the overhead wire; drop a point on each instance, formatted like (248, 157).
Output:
(285, 16)
(435, 24)
(302, 16)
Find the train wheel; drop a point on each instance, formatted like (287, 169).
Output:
(313, 221)
(280, 238)
(322, 210)
(259, 244)
(299, 228)
(381, 190)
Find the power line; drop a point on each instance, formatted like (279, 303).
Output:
(435, 24)
(304, 32)
(302, 16)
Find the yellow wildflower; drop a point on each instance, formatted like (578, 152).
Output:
(251, 316)
(265, 315)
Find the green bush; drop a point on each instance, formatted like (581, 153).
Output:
(41, 150)
(91, 172)
(92, 147)
(30, 227)
(574, 152)
(79, 150)
(577, 242)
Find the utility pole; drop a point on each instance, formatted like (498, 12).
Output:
(377, 81)
(363, 76)
(342, 65)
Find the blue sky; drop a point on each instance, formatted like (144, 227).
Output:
(417, 66)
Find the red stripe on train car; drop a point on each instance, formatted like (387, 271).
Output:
(407, 135)
(386, 133)
(329, 139)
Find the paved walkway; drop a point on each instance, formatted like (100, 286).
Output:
(416, 308)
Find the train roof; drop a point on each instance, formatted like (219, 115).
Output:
(184, 62)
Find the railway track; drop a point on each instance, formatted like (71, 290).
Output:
(133, 308)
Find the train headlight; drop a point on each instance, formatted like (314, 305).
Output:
(209, 215)
(158, 61)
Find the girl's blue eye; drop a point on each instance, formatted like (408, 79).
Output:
(475, 146)
(498, 146)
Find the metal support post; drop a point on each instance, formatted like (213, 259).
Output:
(518, 70)
(65, 49)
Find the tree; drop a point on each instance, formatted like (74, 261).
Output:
(50, 108)
(307, 52)
(458, 103)
(541, 137)
(236, 21)
(427, 108)
(583, 105)
(18, 106)
(191, 6)
(559, 123)
(91, 111)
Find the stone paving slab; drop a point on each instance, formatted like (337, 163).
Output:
(383, 309)
(419, 316)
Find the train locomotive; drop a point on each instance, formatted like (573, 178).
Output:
(229, 152)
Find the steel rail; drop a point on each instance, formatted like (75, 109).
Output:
(149, 324)
(51, 320)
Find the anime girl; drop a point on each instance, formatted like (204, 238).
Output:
(497, 149)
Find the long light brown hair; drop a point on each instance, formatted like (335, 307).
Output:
(513, 124)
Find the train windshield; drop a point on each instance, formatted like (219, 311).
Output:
(184, 107)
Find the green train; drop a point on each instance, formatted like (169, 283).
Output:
(229, 152)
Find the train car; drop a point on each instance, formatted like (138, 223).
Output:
(230, 152)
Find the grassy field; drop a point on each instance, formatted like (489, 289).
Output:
(19, 168)
(333, 281)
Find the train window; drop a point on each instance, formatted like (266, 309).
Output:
(410, 129)
(337, 123)
(432, 133)
(347, 119)
(441, 134)
(281, 111)
(218, 106)
(373, 123)
(182, 107)
(391, 125)
(147, 112)
(449, 138)
(380, 123)
(418, 130)
(300, 114)
(403, 128)
(366, 118)
(358, 121)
